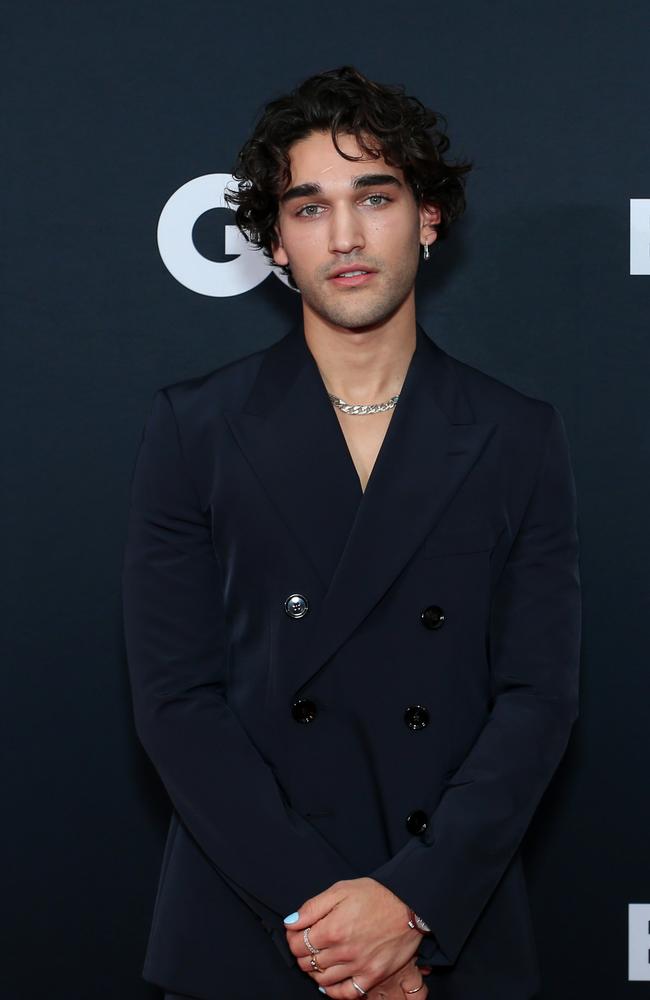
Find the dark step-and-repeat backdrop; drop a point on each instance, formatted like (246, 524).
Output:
(122, 271)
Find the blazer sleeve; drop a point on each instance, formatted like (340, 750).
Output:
(449, 873)
(223, 790)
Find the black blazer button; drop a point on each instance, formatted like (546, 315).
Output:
(296, 606)
(416, 822)
(416, 717)
(433, 617)
(303, 710)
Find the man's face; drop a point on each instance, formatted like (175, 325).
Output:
(355, 215)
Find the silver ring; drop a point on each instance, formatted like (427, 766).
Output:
(358, 988)
(416, 990)
(308, 944)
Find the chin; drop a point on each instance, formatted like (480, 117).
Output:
(368, 316)
(351, 316)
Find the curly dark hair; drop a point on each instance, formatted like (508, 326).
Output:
(385, 121)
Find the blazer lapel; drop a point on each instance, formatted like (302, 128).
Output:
(357, 542)
(294, 443)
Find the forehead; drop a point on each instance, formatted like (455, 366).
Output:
(316, 159)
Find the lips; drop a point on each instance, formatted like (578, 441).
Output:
(351, 270)
(349, 277)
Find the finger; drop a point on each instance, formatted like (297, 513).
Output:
(317, 935)
(313, 909)
(413, 986)
(332, 975)
(341, 991)
(298, 945)
(333, 966)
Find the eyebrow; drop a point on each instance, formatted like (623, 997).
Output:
(362, 181)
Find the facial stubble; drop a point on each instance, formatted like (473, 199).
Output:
(361, 305)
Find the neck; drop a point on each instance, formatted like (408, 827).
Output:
(363, 364)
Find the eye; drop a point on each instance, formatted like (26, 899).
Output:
(384, 198)
(303, 211)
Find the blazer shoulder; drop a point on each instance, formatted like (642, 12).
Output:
(205, 395)
(493, 399)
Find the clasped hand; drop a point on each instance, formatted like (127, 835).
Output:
(361, 929)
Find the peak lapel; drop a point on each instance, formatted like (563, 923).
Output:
(294, 443)
(431, 444)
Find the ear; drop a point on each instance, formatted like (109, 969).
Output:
(279, 253)
(430, 217)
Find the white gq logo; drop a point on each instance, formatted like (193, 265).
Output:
(183, 260)
(639, 942)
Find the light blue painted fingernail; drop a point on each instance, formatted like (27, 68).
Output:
(321, 989)
(291, 919)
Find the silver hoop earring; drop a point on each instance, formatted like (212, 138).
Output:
(425, 252)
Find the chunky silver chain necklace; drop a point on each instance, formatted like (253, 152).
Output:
(361, 408)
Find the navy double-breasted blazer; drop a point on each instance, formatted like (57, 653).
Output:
(292, 747)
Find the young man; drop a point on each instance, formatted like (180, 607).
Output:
(352, 602)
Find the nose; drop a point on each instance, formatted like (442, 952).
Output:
(346, 233)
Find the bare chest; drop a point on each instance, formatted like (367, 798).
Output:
(364, 435)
